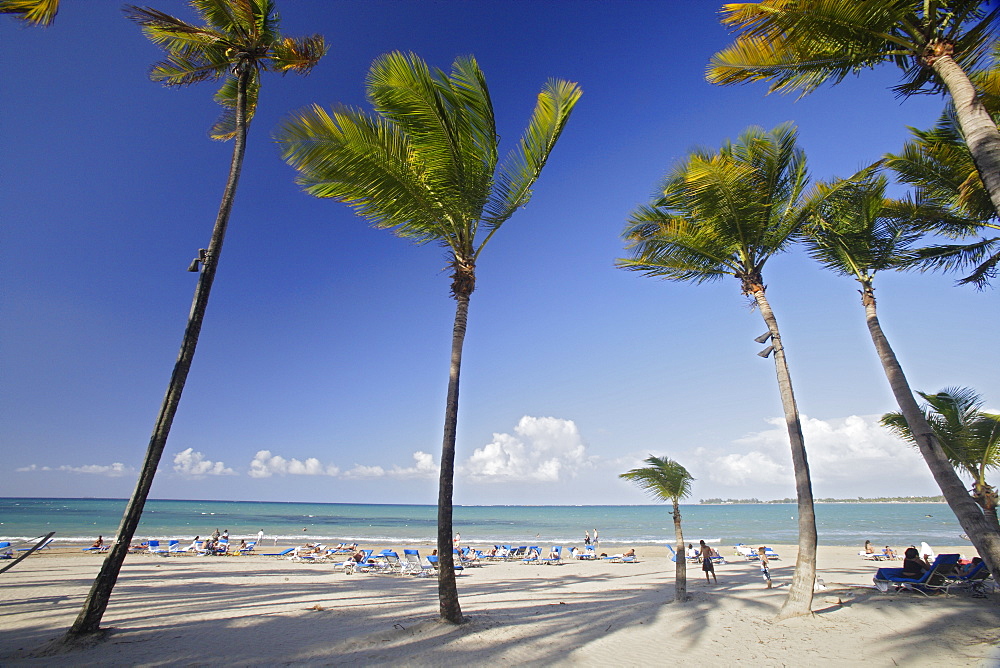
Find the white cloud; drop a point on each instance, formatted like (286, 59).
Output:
(541, 449)
(194, 465)
(423, 467)
(115, 470)
(264, 465)
(852, 453)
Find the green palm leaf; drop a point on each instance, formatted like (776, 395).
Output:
(663, 479)
(34, 12)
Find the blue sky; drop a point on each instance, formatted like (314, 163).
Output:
(322, 365)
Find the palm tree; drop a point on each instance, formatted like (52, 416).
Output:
(666, 480)
(425, 164)
(32, 12)
(800, 44)
(857, 232)
(238, 42)
(726, 213)
(970, 438)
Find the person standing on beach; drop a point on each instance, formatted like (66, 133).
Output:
(597, 542)
(764, 570)
(215, 535)
(260, 537)
(706, 563)
(586, 537)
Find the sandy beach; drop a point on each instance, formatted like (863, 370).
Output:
(254, 610)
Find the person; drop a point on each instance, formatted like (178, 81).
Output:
(913, 564)
(99, 543)
(243, 545)
(706, 563)
(868, 547)
(358, 556)
(225, 536)
(691, 552)
(597, 541)
(194, 544)
(209, 547)
(215, 534)
(630, 553)
(889, 553)
(586, 537)
(458, 540)
(552, 553)
(971, 566)
(764, 570)
(260, 538)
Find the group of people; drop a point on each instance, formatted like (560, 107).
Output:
(887, 552)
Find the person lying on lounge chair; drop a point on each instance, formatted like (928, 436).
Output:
(553, 554)
(630, 553)
(969, 567)
(889, 553)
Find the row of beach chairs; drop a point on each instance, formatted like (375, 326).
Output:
(943, 575)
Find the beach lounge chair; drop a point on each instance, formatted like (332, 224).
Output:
(518, 553)
(747, 552)
(934, 578)
(389, 563)
(557, 549)
(531, 557)
(412, 565)
(977, 581)
(771, 554)
(588, 554)
(153, 547)
(433, 561)
(365, 565)
(39, 548)
(279, 554)
(673, 553)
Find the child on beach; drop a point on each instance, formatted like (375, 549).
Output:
(764, 570)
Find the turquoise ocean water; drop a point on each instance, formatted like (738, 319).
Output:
(81, 520)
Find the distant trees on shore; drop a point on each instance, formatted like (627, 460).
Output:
(860, 499)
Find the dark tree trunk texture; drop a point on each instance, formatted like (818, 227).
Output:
(450, 609)
(800, 594)
(89, 620)
(680, 570)
(985, 537)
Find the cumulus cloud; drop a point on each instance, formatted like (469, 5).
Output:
(193, 464)
(115, 470)
(853, 450)
(264, 465)
(540, 449)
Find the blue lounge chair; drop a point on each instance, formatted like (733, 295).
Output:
(38, 548)
(366, 564)
(413, 565)
(279, 554)
(977, 580)
(557, 549)
(933, 578)
(673, 553)
(771, 554)
(531, 556)
(433, 560)
(153, 547)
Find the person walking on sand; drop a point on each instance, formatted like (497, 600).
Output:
(586, 537)
(764, 570)
(706, 563)
(260, 537)
(597, 542)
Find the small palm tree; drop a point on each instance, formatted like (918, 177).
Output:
(969, 437)
(800, 44)
(425, 165)
(855, 231)
(723, 214)
(666, 480)
(238, 42)
(32, 12)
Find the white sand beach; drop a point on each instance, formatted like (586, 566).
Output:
(254, 610)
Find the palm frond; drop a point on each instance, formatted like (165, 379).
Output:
(983, 256)
(663, 479)
(297, 55)
(33, 12)
(521, 168)
(225, 126)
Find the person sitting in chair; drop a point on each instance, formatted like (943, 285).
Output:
(913, 564)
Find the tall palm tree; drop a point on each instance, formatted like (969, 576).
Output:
(239, 40)
(666, 480)
(726, 213)
(425, 164)
(970, 438)
(800, 44)
(857, 232)
(32, 12)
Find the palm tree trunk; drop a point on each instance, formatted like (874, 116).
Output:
(680, 572)
(800, 594)
(980, 132)
(450, 610)
(89, 619)
(985, 538)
